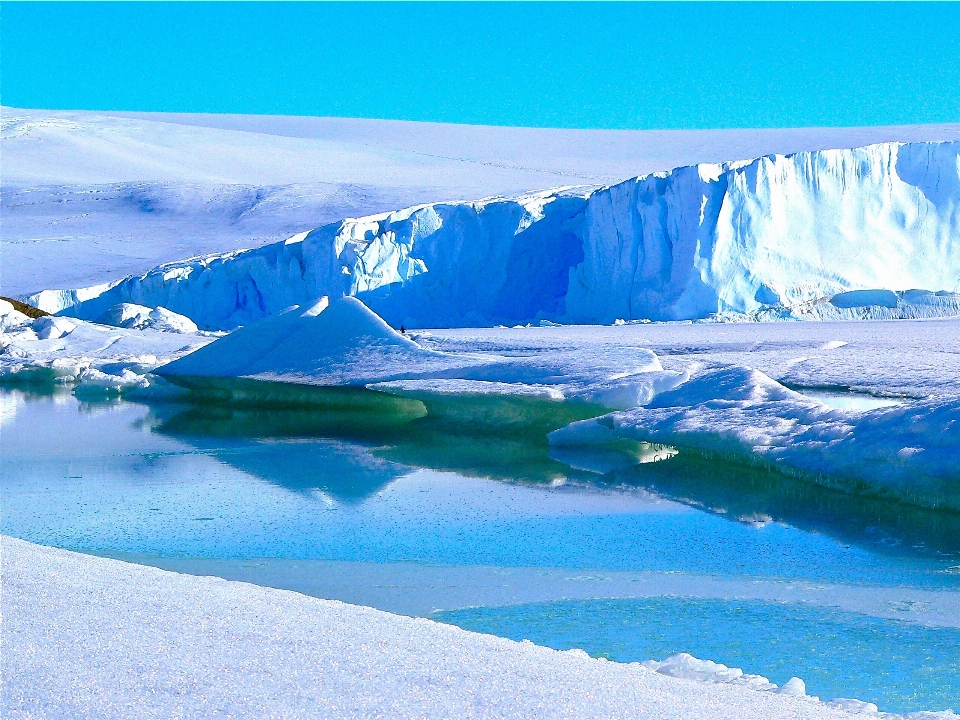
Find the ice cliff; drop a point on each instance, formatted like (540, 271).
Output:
(781, 235)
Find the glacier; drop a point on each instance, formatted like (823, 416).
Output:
(120, 193)
(780, 236)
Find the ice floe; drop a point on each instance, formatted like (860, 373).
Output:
(907, 451)
(96, 357)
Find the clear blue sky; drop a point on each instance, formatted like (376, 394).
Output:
(591, 65)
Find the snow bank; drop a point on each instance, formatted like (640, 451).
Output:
(688, 243)
(91, 637)
(908, 452)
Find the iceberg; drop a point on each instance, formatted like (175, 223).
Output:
(868, 232)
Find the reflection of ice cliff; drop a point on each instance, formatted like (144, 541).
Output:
(776, 236)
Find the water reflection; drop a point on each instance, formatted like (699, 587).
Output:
(504, 438)
(757, 496)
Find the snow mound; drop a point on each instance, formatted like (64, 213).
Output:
(865, 225)
(328, 343)
(907, 452)
(342, 342)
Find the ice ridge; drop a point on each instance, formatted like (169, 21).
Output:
(777, 235)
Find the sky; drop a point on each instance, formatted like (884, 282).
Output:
(563, 64)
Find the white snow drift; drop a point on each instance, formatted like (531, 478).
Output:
(778, 236)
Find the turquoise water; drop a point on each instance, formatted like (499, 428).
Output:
(899, 666)
(452, 514)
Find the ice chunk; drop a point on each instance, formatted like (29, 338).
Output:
(51, 328)
(793, 686)
(684, 665)
(95, 382)
(131, 315)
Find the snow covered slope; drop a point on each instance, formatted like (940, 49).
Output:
(118, 193)
(74, 637)
(777, 236)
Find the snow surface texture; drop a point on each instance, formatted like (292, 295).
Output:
(76, 645)
(831, 234)
(120, 193)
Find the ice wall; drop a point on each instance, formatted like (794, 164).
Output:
(741, 237)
